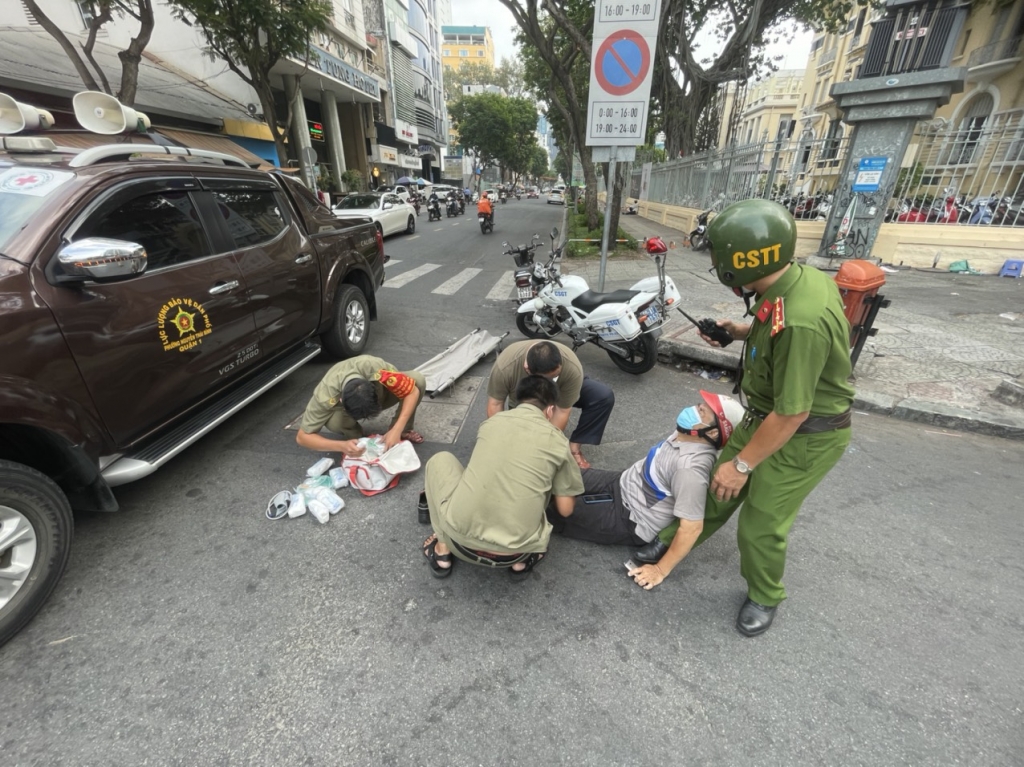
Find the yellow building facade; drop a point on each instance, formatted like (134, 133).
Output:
(463, 45)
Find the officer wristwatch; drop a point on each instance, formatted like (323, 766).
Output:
(742, 466)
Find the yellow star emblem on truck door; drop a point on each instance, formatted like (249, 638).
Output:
(184, 322)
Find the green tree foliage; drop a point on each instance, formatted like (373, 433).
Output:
(539, 163)
(508, 76)
(251, 36)
(686, 84)
(497, 129)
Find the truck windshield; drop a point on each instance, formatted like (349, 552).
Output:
(23, 191)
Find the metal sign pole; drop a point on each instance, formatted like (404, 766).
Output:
(609, 193)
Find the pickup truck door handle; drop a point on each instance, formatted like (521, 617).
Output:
(223, 287)
(305, 258)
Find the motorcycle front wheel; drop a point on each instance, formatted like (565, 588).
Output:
(642, 355)
(697, 242)
(531, 329)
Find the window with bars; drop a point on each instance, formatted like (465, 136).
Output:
(964, 142)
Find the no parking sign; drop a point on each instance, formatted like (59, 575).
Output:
(625, 36)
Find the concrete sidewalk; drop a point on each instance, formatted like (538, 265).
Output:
(943, 347)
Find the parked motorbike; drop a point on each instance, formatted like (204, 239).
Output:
(530, 276)
(625, 323)
(699, 236)
(434, 210)
(944, 211)
(486, 223)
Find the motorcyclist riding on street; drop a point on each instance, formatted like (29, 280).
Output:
(484, 207)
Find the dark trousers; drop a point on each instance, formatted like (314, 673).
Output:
(599, 515)
(595, 403)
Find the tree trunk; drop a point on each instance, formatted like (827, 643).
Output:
(590, 179)
(266, 97)
(132, 55)
(55, 32)
(620, 170)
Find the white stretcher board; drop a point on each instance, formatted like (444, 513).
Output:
(447, 367)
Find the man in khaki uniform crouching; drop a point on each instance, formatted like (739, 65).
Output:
(492, 512)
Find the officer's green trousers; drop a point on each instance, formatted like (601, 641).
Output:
(771, 499)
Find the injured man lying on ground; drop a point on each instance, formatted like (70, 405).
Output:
(631, 507)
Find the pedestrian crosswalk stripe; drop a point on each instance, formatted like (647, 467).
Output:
(502, 289)
(405, 278)
(392, 262)
(451, 286)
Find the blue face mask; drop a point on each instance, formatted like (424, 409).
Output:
(689, 419)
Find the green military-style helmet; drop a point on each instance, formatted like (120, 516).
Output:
(751, 239)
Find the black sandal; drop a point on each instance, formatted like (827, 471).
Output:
(433, 559)
(530, 562)
(423, 510)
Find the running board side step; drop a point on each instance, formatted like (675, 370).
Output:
(154, 455)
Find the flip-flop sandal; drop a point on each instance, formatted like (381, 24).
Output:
(530, 562)
(433, 558)
(413, 436)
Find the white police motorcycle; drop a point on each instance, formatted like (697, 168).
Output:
(625, 323)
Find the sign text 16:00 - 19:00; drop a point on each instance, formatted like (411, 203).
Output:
(611, 10)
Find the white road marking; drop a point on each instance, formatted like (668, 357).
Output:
(457, 223)
(416, 235)
(406, 277)
(451, 286)
(439, 228)
(394, 261)
(502, 289)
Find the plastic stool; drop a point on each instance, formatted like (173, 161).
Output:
(1011, 269)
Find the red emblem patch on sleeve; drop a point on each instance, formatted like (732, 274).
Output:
(764, 311)
(778, 316)
(398, 384)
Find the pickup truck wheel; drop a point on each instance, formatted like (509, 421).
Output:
(347, 336)
(411, 228)
(36, 528)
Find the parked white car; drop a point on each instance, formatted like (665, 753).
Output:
(387, 210)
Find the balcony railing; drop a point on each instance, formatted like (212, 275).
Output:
(999, 51)
(827, 57)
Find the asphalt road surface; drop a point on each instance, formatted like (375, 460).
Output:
(190, 630)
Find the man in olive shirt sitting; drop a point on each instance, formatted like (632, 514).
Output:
(558, 363)
(492, 512)
(356, 389)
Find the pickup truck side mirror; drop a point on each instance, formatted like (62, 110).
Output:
(100, 259)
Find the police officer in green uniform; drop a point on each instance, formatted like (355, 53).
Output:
(796, 370)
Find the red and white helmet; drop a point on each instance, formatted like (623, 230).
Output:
(656, 245)
(728, 411)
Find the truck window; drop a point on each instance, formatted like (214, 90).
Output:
(253, 216)
(166, 224)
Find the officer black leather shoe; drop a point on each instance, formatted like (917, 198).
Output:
(423, 510)
(651, 553)
(755, 619)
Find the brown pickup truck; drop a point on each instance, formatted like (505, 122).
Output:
(146, 294)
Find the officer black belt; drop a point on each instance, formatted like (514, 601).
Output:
(815, 424)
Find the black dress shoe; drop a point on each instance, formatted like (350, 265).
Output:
(755, 619)
(423, 510)
(650, 553)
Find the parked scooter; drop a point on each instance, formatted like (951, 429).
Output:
(699, 236)
(625, 323)
(530, 276)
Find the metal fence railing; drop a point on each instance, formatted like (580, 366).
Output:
(971, 173)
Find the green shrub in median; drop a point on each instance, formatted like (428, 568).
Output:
(578, 230)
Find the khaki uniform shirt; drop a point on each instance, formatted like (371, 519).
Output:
(519, 461)
(797, 356)
(509, 370)
(326, 397)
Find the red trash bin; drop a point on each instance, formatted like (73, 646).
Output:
(859, 282)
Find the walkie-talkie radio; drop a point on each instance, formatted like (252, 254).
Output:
(711, 329)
